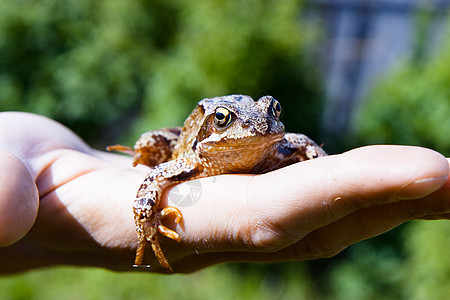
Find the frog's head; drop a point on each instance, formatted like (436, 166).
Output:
(238, 131)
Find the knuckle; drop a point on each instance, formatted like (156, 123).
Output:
(267, 238)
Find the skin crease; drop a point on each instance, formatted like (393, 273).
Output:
(85, 199)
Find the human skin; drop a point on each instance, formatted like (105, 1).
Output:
(64, 203)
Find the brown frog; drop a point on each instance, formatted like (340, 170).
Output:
(223, 135)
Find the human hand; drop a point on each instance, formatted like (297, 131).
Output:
(305, 211)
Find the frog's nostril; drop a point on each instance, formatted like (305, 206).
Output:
(246, 123)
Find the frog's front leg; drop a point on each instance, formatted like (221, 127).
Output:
(146, 214)
(148, 223)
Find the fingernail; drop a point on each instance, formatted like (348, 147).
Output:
(420, 188)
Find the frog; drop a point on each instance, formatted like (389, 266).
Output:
(231, 134)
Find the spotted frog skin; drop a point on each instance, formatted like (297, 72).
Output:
(223, 135)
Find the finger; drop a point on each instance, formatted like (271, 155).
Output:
(443, 193)
(366, 223)
(333, 238)
(18, 199)
(31, 137)
(313, 194)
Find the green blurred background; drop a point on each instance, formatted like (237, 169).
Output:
(112, 69)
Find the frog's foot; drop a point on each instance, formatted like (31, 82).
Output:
(147, 233)
(156, 247)
(153, 238)
(137, 156)
(165, 212)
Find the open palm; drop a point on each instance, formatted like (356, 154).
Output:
(83, 200)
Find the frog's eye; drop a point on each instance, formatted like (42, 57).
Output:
(275, 108)
(222, 117)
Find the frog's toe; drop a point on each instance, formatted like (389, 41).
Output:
(169, 233)
(164, 213)
(120, 148)
(171, 210)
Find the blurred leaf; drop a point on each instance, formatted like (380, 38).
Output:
(428, 264)
(220, 282)
(226, 47)
(84, 63)
(412, 106)
(98, 66)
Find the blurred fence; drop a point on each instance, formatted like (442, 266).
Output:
(364, 39)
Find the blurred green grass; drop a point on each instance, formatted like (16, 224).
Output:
(219, 282)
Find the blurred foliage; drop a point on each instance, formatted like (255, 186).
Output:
(224, 47)
(410, 262)
(66, 60)
(411, 106)
(103, 66)
(218, 282)
(427, 268)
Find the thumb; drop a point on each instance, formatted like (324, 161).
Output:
(19, 200)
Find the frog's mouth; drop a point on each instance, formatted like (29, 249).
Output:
(245, 143)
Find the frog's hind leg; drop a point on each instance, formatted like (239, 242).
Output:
(152, 148)
(155, 147)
